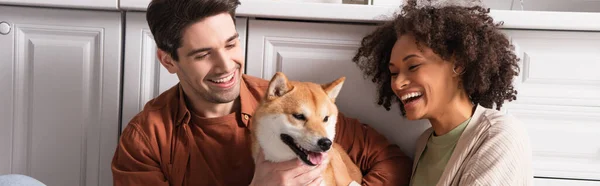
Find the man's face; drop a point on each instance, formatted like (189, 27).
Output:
(210, 60)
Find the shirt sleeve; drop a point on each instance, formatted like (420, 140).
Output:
(381, 162)
(504, 158)
(135, 162)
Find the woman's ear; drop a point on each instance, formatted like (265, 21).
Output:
(458, 71)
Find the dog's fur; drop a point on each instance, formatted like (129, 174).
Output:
(275, 116)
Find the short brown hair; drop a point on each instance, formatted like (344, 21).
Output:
(168, 19)
(465, 34)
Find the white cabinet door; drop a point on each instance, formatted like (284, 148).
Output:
(134, 4)
(559, 100)
(145, 78)
(59, 94)
(87, 4)
(320, 52)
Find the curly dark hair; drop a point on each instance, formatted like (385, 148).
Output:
(466, 35)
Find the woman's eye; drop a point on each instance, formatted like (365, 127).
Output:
(413, 67)
(393, 74)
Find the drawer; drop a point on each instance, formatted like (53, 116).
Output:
(564, 139)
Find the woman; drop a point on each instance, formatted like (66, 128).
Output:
(452, 66)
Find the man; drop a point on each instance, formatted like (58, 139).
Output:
(197, 133)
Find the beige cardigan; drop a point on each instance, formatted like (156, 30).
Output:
(493, 150)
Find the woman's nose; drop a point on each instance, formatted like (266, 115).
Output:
(400, 82)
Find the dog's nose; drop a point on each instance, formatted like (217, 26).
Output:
(324, 144)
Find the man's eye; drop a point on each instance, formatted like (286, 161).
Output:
(231, 45)
(201, 56)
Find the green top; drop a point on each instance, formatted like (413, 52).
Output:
(436, 155)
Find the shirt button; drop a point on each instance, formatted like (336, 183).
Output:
(245, 117)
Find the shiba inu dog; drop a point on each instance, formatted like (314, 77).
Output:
(297, 120)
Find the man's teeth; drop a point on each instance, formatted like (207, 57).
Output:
(411, 95)
(223, 80)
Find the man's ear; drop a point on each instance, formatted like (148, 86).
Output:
(167, 61)
(278, 86)
(333, 89)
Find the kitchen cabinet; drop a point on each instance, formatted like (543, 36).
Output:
(84, 4)
(559, 100)
(59, 94)
(145, 78)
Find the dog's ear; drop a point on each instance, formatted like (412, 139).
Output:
(333, 89)
(278, 85)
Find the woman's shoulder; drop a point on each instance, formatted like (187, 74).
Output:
(498, 124)
(498, 120)
(501, 153)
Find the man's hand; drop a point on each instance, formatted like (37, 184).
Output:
(293, 172)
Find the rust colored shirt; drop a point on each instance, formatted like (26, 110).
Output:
(167, 144)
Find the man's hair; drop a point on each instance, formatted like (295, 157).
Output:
(168, 19)
(467, 34)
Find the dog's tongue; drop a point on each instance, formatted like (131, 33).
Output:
(315, 157)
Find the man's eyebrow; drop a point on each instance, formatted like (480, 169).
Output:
(195, 51)
(235, 36)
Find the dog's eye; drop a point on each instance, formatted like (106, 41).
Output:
(326, 119)
(299, 116)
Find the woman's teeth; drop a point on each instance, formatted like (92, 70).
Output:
(411, 95)
(223, 80)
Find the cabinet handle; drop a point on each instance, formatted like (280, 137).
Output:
(4, 28)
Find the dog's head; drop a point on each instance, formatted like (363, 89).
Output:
(297, 119)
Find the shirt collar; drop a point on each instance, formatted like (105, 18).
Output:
(247, 100)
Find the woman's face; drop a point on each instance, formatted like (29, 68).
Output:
(424, 82)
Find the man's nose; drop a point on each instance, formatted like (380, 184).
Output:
(224, 61)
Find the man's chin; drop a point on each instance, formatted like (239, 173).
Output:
(218, 95)
(224, 98)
